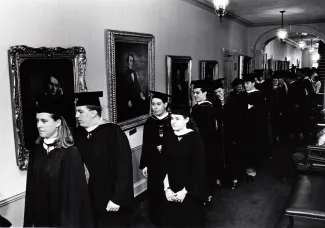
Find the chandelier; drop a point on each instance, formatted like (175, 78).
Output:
(301, 43)
(282, 33)
(220, 7)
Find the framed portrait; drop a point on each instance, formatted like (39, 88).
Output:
(130, 63)
(42, 73)
(209, 70)
(179, 76)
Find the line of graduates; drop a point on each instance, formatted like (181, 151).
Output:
(228, 135)
(84, 180)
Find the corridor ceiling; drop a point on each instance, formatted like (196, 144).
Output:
(266, 12)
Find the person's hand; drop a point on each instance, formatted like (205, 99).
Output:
(180, 195)
(145, 172)
(130, 104)
(142, 96)
(170, 195)
(60, 91)
(112, 206)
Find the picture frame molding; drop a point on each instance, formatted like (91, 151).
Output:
(179, 59)
(111, 37)
(16, 56)
(216, 69)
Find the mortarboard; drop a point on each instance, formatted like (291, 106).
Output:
(203, 84)
(249, 78)
(88, 98)
(216, 84)
(52, 106)
(159, 95)
(236, 82)
(180, 110)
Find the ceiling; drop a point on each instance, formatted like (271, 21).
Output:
(266, 12)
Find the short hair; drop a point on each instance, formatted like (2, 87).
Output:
(64, 139)
(96, 108)
(127, 58)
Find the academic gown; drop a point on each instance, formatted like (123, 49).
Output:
(107, 155)
(184, 163)
(56, 192)
(256, 129)
(153, 132)
(204, 116)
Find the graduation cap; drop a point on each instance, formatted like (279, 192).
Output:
(216, 84)
(88, 98)
(236, 82)
(52, 106)
(249, 78)
(202, 84)
(159, 95)
(180, 110)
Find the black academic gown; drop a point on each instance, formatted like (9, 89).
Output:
(256, 135)
(204, 116)
(184, 163)
(56, 192)
(154, 131)
(107, 155)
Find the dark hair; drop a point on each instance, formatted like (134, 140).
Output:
(98, 109)
(64, 139)
(127, 58)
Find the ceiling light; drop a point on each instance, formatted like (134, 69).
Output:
(282, 33)
(304, 34)
(301, 44)
(220, 7)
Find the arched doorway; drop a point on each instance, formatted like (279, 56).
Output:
(269, 35)
(263, 39)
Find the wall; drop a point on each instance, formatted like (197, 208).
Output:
(180, 28)
(280, 51)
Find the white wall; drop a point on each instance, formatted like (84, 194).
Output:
(280, 51)
(180, 28)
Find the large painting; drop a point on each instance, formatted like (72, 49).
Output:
(179, 79)
(130, 59)
(38, 73)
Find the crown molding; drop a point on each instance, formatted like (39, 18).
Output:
(207, 5)
(295, 22)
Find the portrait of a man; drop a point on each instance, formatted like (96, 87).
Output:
(131, 80)
(50, 80)
(180, 81)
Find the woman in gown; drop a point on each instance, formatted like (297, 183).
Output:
(185, 173)
(56, 192)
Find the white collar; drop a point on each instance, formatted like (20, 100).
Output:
(91, 128)
(161, 117)
(201, 102)
(46, 144)
(183, 132)
(253, 90)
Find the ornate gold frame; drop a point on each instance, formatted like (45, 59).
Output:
(17, 55)
(113, 36)
(170, 59)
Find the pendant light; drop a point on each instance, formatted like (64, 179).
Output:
(282, 33)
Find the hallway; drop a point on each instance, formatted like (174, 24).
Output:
(259, 204)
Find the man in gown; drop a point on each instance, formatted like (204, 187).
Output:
(155, 129)
(203, 113)
(107, 155)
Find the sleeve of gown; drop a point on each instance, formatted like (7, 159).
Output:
(123, 192)
(145, 149)
(29, 199)
(195, 181)
(76, 206)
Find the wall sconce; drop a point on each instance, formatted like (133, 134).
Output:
(301, 43)
(220, 7)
